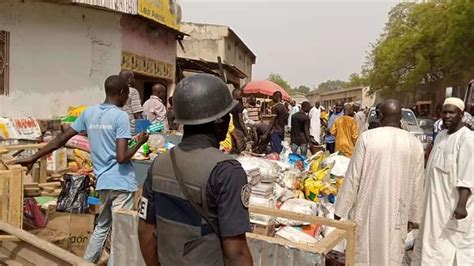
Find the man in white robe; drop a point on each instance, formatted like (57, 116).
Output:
(446, 235)
(382, 190)
(315, 123)
(360, 118)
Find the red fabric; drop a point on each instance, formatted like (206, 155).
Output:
(265, 87)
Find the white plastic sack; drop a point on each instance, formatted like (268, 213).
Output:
(299, 206)
(340, 166)
(269, 170)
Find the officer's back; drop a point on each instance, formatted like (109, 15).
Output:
(204, 224)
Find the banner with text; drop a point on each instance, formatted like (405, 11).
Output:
(165, 12)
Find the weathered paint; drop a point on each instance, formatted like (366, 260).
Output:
(208, 41)
(146, 38)
(60, 56)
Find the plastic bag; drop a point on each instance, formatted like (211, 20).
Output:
(269, 170)
(83, 160)
(341, 163)
(299, 206)
(73, 196)
(78, 142)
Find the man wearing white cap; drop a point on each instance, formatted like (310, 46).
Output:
(446, 234)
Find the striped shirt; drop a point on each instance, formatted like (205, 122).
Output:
(133, 106)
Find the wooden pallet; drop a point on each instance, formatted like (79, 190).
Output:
(344, 230)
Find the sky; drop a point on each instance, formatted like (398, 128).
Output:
(307, 42)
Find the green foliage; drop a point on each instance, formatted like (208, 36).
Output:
(302, 89)
(423, 44)
(332, 84)
(278, 79)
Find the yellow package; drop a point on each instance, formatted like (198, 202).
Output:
(312, 189)
(319, 157)
(76, 110)
(83, 160)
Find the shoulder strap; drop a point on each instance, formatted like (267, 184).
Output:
(196, 206)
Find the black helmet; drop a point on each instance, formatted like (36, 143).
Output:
(200, 99)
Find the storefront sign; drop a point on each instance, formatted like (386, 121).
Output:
(165, 12)
(147, 66)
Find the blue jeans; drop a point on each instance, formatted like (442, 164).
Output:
(303, 149)
(112, 200)
(275, 141)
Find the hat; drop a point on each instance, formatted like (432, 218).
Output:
(322, 108)
(454, 101)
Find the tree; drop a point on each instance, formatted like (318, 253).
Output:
(302, 89)
(332, 84)
(423, 45)
(278, 79)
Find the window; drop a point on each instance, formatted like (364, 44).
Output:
(4, 57)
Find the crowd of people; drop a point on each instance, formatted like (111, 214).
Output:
(388, 190)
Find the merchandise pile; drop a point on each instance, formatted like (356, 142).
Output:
(294, 183)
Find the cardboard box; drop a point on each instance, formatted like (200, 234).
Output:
(68, 231)
(57, 160)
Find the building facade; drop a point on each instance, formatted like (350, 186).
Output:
(206, 43)
(54, 56)
(329, 98)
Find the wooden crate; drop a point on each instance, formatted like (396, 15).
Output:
(43, 174)
(344, 230)
(11, 192)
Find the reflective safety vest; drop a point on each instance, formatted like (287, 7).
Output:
(184, 237)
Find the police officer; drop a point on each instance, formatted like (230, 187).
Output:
(195, 197)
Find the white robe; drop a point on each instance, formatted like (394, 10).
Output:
(315, 124)
(442, 240)
(382, 192)
(360, 119)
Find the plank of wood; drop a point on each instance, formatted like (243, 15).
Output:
(346, 225)
(330, 241)
(15, 205)
(43, 245)
(4, 180)
(284, 242)
(350, 247)
(25, 147)
(30, 185)
(43, 174)
(8, 238)
(49, 194)
(48, 189)
(49, 184)
(3, 150)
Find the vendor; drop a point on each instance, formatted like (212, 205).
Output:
(176, 214)
(108, 129)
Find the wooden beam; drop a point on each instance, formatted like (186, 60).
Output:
(286, 243)
(330, 241)
(15, 201)
(350, 247)
(25, 147)
(8, 238)
(346, 225)
(5, 176)
(43, 170)
(43, 245)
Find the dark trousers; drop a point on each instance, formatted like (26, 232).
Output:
(275, 141)
(331, 147)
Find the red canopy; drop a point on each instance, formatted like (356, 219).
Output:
(265, 87)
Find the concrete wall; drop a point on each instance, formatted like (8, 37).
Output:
(205, 42)
(209, 41)
(60, 56)
(146, 39)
